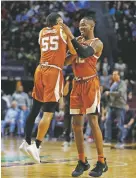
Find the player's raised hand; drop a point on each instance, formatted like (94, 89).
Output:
(66, 29)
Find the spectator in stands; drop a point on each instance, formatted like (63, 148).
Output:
(104, 109)
(7, 99)
(118, 98)
(121, 67)
(21, 97)
(105, 66)
(4, 106)
(134, 131)
(125, 129)
(21, 120)
(10, 119)
(105, 80)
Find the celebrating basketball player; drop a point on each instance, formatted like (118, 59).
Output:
(85, 95)
(48, 82)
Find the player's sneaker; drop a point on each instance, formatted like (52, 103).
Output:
(107, 143)
(80, 168)
(23, 148)
(120, 145)
(34, 152)
(99, 169)
(66, 144)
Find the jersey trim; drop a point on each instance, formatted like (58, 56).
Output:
(95, 56)
(57, 88)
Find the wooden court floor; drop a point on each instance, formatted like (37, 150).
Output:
(58, 162)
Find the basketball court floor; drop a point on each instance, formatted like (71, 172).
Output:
(58, 162)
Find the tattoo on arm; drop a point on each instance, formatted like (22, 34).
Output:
(97, 46)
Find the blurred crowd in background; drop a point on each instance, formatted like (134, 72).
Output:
(21, 23)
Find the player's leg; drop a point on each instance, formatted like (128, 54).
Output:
(34, 149)
(29, 126)
(83, 165)
(67, 126)
(31, 119)
(51, 98)
(93, 121)
(76, 108)
(92, 104)
(52, 82)
(101, 165)
(49, 109)
(37, 95)
(77, 125)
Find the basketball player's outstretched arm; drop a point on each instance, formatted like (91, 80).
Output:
(82, 51)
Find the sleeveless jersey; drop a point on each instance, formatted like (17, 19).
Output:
(86, 67)
(53, 46)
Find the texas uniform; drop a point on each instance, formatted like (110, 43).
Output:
(85, 95)
(48, 78)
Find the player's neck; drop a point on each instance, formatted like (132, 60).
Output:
(90, 36)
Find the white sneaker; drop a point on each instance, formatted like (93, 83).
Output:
(23, 148)
(34, 152)
(105, 143)
(66, 144)
(120, 145)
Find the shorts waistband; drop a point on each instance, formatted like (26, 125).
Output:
(45, 64)
(84, 78)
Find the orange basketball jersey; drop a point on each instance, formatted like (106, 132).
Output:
(86, 67)
(53, 46)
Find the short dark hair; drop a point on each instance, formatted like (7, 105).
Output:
(51, 19)
(90, 18)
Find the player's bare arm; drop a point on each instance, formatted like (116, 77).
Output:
(97, 46)
(82, 51)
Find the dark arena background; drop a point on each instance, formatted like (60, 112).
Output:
(21, 22)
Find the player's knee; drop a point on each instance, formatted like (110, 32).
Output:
(77, 128)
(94, 120)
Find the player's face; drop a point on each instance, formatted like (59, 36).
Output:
(85, 27)
(59, 20)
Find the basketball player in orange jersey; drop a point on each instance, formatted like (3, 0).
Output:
(85, 95)
(48, 82)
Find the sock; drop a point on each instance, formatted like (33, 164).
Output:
(28, 140)
(101, 158)
(82, 157)
(38, 143)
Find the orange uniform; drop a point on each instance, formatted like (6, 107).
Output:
(48, 79)
(85, 95)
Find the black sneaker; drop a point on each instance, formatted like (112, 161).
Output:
(99, 169)
(80, 168)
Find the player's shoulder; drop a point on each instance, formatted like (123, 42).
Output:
(99, 41)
